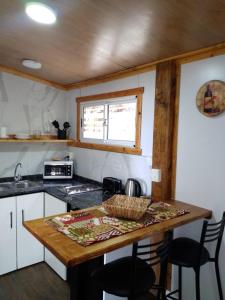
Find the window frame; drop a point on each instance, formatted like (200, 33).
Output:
(105, 140)
(110, 97)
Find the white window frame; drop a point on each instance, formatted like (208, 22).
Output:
(106, 103)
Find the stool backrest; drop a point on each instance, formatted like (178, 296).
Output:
(154, 254)
(213, 232)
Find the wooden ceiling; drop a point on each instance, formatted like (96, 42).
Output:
(93, 38)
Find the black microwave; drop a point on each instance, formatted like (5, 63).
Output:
(58, 169)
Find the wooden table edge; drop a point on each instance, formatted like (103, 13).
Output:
(103, 247)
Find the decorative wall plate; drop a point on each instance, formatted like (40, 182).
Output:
(210, 98)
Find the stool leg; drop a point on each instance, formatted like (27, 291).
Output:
(218, 280)
(179, 282)
(197, 283)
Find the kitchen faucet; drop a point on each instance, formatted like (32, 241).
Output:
(19, 176)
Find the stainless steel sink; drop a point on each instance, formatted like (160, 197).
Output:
(5, 186)
(25, 184)
(22, 184)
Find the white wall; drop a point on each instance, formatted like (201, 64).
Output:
(98, 164)
(201, 164)
(27, 107)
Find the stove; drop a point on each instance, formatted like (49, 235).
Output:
(88, 199)
(80, 188)
(81, 195)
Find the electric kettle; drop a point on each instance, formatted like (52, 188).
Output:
(132, 187)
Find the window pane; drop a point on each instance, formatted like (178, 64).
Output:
(122, 121)
(93, 117)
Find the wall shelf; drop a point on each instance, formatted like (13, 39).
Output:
(10, 140)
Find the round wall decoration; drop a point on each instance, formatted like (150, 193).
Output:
(210, 98)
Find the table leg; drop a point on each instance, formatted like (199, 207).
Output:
(80, 283)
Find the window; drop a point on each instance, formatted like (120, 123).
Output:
(92, 121)
(111, 119)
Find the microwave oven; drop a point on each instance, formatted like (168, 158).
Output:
(58, 169)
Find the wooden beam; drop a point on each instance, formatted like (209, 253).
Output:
(113, 76)
(121, 93)
(163, 128)
(109, 148)
(175, 133)
(32, 77)
(165, 135)
(187, 57)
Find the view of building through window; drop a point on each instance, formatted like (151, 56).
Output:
(93, 119)
(110, 122)
(122, 121)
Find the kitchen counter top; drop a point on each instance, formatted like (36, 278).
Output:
(52, 187)
(71, 253)
(82, 261)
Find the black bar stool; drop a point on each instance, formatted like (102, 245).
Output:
(186, 252)
(133, 276)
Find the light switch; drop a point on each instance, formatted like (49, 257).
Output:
(156, 175)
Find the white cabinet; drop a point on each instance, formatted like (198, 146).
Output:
(18, 248)
(29, 249)
(54, 206)
(8, 235)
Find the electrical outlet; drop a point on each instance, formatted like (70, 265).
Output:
(156, 175)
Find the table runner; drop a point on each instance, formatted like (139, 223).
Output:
(86, 229)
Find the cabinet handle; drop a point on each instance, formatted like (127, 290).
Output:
(11, 219)
(22, 215)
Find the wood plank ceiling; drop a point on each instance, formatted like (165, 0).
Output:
(97, 37)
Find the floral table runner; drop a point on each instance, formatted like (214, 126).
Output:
(86, 229)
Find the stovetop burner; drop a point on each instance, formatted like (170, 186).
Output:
(78, 189)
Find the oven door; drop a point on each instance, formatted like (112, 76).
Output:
(58, 171)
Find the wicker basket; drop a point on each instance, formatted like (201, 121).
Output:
(126, 207)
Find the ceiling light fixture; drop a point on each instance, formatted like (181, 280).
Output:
(31, 64)
(40, 13)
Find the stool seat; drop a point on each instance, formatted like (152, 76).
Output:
(115, 277)
(133, 276)
(185, 252)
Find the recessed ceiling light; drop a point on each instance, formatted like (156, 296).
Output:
(40, 13)
(31, 64)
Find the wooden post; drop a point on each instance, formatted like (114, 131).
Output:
(165, 136)
(165, 100)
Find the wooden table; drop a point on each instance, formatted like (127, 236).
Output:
(80, 260)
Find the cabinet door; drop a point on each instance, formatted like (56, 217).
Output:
(29, 249)
(8, 235)
(54, 206)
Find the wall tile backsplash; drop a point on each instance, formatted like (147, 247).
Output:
(29, 107)
(96, 165)
(31, 156)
